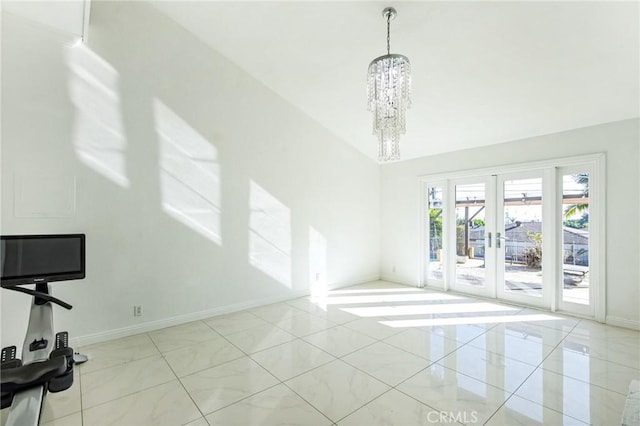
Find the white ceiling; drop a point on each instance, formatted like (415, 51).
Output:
(65, 18)
(483, 72)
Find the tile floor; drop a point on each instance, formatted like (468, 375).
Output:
(373, 354)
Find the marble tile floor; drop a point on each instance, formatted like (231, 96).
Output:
(631, 414)
(373, 354)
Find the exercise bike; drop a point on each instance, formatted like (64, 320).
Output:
(47, 360)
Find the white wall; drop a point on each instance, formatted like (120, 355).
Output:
(620, 142)
(199, 189)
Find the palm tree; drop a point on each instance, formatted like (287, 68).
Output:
(582, 179)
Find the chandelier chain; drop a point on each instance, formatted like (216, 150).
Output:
(388, 33)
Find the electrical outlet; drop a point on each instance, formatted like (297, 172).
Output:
(137, 311)
(317, 276)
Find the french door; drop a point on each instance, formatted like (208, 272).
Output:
(524, 236)
(471, 255)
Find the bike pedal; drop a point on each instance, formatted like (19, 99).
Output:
(65, 380)
(8, 358)
(62, 340)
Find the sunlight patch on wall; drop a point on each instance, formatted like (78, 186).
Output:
(98, 133)
(189, 174)
(438, 308)
(269, 235)
(469, 320)
(317, 263)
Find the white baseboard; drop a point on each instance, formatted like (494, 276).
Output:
(354, 281)
(195, 316)
(623, 322)
(399, 281)
(180, 319)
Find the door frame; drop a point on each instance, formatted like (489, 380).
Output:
(597, 220)
(548, 232)
(488, 289)
(596, 238)
(425, 249)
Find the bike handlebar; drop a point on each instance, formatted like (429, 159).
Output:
(40, 295)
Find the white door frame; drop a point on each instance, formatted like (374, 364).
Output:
(597, 272)
(548, 233)
(425, 244)
(596, 239)
(488, 289)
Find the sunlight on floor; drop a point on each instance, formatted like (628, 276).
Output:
(387, 303)
(344, 300)
(441, 308)
(469, 320)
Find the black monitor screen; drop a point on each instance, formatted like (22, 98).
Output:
(28, 259)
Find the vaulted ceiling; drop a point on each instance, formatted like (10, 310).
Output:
(483, 72)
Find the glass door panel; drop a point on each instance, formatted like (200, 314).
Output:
(435, 268)
(473, 216)
(520, 239)
(521, 236)
(575, 237)
(470, 230)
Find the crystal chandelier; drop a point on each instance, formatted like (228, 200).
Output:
(389, 96)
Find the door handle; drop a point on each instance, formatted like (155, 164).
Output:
(488, 238)
(499, 239)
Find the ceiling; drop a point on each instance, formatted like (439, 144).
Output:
(483, 72)
(65, 18)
